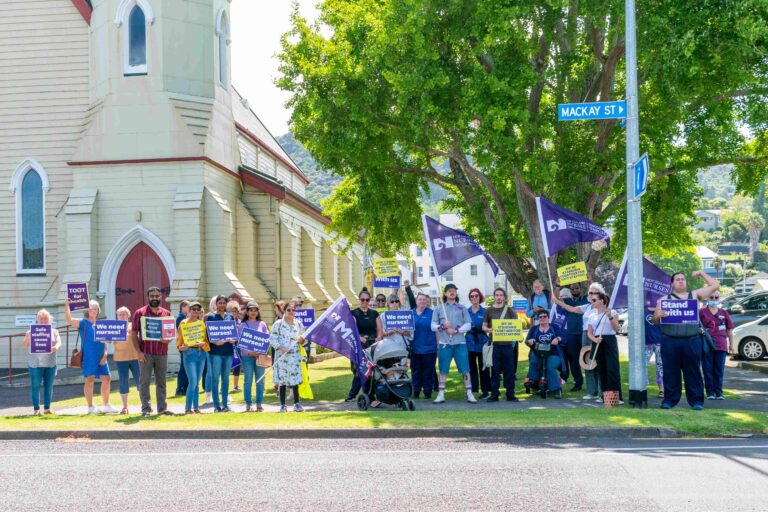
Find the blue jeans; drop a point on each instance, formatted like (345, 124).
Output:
(552, 374)
(456, 352)
(220, 366)
(123, 369)
(194, 362)
(252, 372)
(44, 376)
(713, 365)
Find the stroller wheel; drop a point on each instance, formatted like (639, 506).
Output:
(411, 405)
(363, 402)
(543, 392)
(527, 387)
(403, 404)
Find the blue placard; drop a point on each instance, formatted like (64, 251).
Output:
(520, 305)
(386, 282)
(254, 341)
(402, 319)
(223, 330)
(305, 316)
(110, 330)
(680, 311)
(641, 176)
(587, 111)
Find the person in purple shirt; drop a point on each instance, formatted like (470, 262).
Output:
(720, 326)
(653, 349)
(251, 370)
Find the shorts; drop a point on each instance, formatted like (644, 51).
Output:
(95, 370)
(456, 352)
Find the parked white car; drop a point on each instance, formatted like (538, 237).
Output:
(750, 339)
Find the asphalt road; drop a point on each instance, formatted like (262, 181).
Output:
(395, 474)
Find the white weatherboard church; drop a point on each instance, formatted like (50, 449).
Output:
(128, 160)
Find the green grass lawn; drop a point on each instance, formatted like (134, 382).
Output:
(330, 382)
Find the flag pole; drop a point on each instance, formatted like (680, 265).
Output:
(434, 266)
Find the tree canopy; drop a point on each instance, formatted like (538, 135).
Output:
(395, 94)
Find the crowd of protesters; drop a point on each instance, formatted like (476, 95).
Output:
(445, 336)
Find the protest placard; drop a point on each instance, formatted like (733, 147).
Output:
(305, 316)
(680, 311)
(193, 332)
(385, 267)
(110, 330)
(519, 304)
(369, 279)
(507, 329)
(402, 319)
(77, 293)
(573, 273)
(254, 341)
(387, 282)
(223, 330)
(40, 339)
(158, 328)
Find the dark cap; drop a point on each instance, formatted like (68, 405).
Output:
(449, 286)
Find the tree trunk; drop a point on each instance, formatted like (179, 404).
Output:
(526, 202)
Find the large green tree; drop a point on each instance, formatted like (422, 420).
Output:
(395, 94)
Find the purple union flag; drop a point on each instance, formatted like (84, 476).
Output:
(449, 247)
(561, 227)
(336, 329)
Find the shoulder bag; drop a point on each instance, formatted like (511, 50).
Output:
(76, 361)
(488, 347)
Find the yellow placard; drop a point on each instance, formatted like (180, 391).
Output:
(369, 279)
(386, 267)
(193, 332)
(507, 329)
(573, 273)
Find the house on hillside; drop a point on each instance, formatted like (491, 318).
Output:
(128, 160)
(709, 220)
(708, 256)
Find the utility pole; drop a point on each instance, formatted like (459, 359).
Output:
(638, 392)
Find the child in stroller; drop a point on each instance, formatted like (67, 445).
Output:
(545, 359)
(390, 382)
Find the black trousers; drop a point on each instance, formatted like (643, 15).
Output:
(571, 353)
(481, 379)
(608, 369)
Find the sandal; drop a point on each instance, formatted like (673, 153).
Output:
(375, 404)
(124, 410)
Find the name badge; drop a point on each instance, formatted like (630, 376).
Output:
(720, 327)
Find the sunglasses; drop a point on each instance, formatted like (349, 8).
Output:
(474, 296)
(543, 316)
(365, 300)
(290, 310)
(195, 308)
(381, 300)
(714, 298)
(394, 302)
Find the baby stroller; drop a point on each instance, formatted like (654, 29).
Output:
(390, 382)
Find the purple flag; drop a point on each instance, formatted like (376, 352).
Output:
(449, 247)
(561, 227)
(656, 284)
(336, 329)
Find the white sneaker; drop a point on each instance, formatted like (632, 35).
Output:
(470, 397)
(440, 398)
(208, 400)
(587, 397)
(93, 410)
(599, 400)
(108, 409)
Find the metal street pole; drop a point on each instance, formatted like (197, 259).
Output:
(638, 393)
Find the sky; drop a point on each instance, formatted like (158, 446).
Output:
(256, 29)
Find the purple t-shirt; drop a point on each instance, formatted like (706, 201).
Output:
(718, 324)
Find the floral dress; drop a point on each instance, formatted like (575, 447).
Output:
(286, 370)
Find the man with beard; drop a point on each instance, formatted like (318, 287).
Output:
(153, 355)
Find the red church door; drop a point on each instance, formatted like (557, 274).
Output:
(141, 268)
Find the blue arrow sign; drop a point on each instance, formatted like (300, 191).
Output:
(586, 111)
(641, 176)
